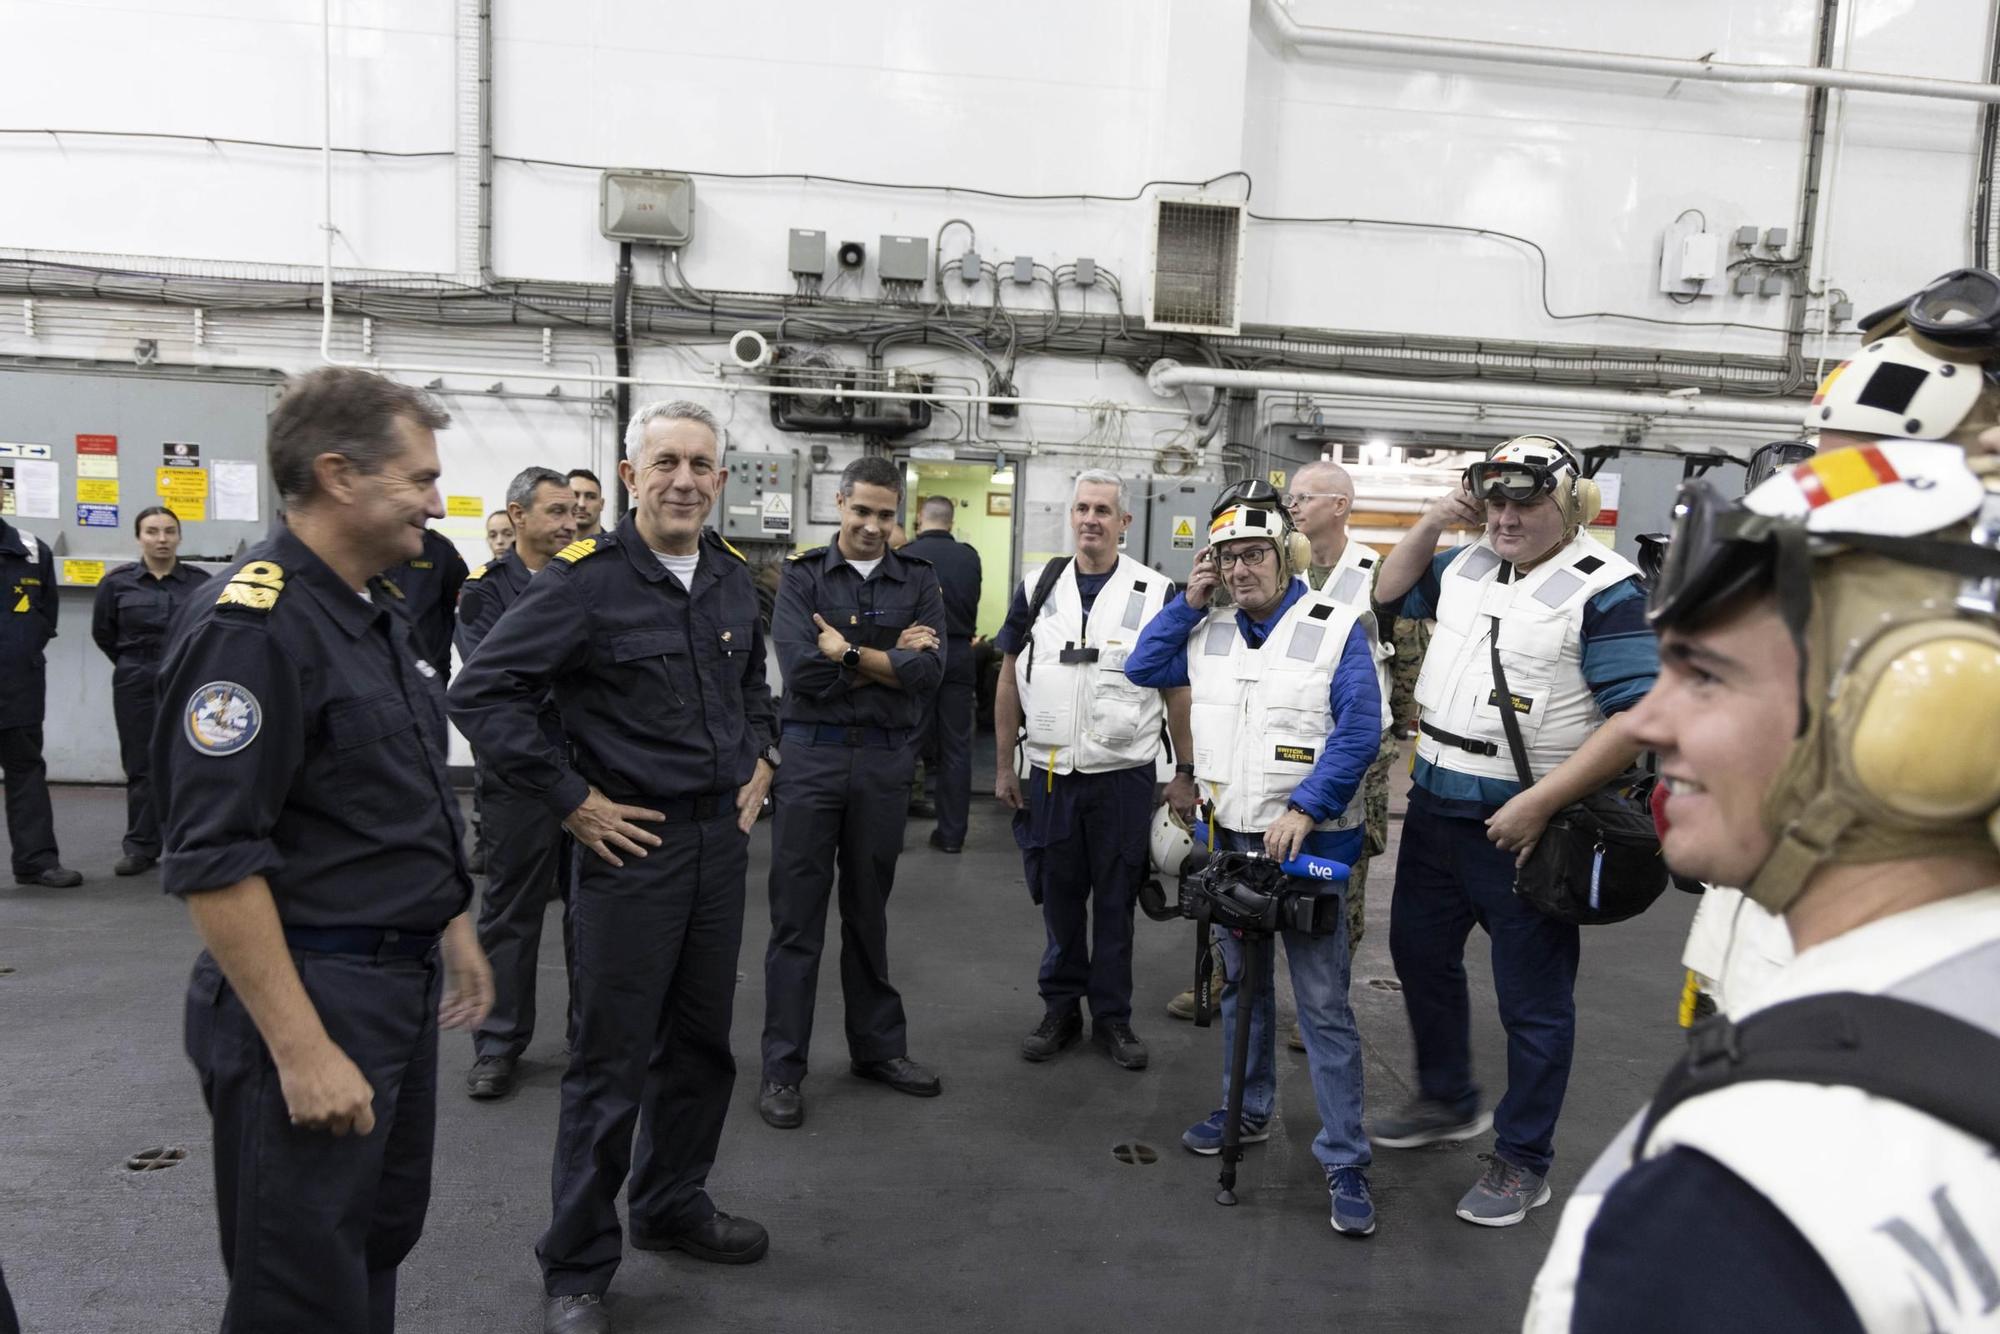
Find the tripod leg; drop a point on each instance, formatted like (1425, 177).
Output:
(1251, 954)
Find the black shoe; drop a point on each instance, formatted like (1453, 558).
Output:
(133, 863)
(490, 1077)
(55, 877)
(937, 841)
(581, 1313)
(720, 1240)
(922, 808)
(1057, 1033)
(782, 1106)
(901, 1074)
(1120, 1043)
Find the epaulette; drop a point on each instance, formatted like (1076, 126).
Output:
(576, 551)
(470, 575)
(725, 545)
(807, 554)
(390, 586)
(255, 586)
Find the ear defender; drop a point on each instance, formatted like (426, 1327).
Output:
(1589, 501)
(1298, 551)
(1922, 734)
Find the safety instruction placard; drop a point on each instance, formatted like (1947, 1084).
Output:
(174, 454)
(27, 483)
(97, 516)
(96, 491)
(184, 491)
(96, 457)
(465, 507)
(1184, 532)
(86, 572)
(235, 485)
(777, 513)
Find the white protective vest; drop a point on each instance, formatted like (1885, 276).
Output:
(1904, 1209)
(1350, 582)
(1089, 717)
(1260, 716)
(1541, 646)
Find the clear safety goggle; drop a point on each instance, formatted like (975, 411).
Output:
(1518, 482)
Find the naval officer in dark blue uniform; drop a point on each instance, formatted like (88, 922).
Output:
(309, 824)
(27, 624)
(430, 584)
(947, 726)
(858, 629)
(648, 638)
(523, 841)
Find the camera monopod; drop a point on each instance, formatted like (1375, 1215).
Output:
(1255, 942)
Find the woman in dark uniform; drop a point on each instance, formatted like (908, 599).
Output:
(135, 605)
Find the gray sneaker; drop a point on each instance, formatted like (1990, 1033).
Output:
(1424, 1121)
(1503, 1196)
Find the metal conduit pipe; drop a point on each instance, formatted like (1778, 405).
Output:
(1612, 62)
(1788, 415)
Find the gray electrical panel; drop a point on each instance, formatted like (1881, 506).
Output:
(758, 502)
(904, 259)
(1176, 517)
(808, 252)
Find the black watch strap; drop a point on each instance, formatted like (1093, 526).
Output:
(852, 658)
(1187, 769)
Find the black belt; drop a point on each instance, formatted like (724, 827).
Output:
(367, 941)
(700, 806)
(1467, 744)
(826, 734)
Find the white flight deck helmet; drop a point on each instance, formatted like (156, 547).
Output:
(1925, 370)
(1172, 843)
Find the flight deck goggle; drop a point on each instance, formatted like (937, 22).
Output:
(1492, 479)
(1253, 491)
(1961, 311)
(1775, 458)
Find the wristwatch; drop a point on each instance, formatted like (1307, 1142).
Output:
(1294, 806)
(770, 755)
(1187, 769)
(851, 659)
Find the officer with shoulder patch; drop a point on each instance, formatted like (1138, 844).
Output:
(860, 635)
(430, 584)
(525, 850)
(27, 624)
(1287, 715)
(1827, 721)
(646, 637)
(129, 619)
(310, 826)
(1092, 743)
(1565, 615)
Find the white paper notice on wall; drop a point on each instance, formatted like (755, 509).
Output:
(235, 490)
(34, 489)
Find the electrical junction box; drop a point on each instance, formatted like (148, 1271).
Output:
(1775, 237)
(1690, 259)
(653, 207)
(758, 501)
(904, 259)
(1024, 269)
(1746, 283)
(807, 251)
(1746, 235)
(1701, 257)
(970, 270)
(1086, 272)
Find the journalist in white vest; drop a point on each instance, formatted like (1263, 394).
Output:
(1091, 740)
(1564, 616)
(1287, 715)
(1827, 723)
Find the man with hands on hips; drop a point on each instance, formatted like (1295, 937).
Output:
(647, 639)
(1287, 716)
(1566, 616)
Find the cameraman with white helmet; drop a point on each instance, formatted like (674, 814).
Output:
(1287, 716)
(1828, 727)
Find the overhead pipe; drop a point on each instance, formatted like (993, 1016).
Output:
(1165, 377)
(1612, 62)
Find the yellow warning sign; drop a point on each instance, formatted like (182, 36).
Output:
(1184, 532)
(85, 572)
(465, 507)
(1277, 477)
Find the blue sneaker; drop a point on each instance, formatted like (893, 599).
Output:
(1353, 1207)
(1206, 1138)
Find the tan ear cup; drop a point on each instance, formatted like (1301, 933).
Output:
(1589, 502)
(1299, 552)
(1922, 736)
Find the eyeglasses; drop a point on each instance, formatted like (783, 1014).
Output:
(1250, 556)
(1291, 498)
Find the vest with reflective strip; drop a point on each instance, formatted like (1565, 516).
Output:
(1541, 646)
(1904, 1209)
(1088, 717)
(1350, 583)
(1261, 716)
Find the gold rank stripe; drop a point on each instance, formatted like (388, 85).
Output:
(576, 551)
(255, 586)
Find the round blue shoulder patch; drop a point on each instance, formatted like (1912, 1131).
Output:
(221, 718)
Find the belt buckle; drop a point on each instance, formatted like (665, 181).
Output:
(854, 736)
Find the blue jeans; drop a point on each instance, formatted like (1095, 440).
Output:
(1449, 877)
(1319, 967)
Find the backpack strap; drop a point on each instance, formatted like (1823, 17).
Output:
(1043, 587)
(1921, 1057)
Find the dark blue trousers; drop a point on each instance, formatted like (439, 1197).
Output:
(947, 741)
(1083, 844)
(1449, 878)
(31, 819)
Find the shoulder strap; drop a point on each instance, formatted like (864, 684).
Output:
(1043, 587)
(1506, 705)
(1923, 1058)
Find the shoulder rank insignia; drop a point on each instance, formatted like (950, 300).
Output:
(732, 550)
(807, 554)
(576, 551)
(255, 586)
(470, 575)
(390, 586)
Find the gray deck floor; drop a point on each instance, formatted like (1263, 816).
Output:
(997, 1207)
